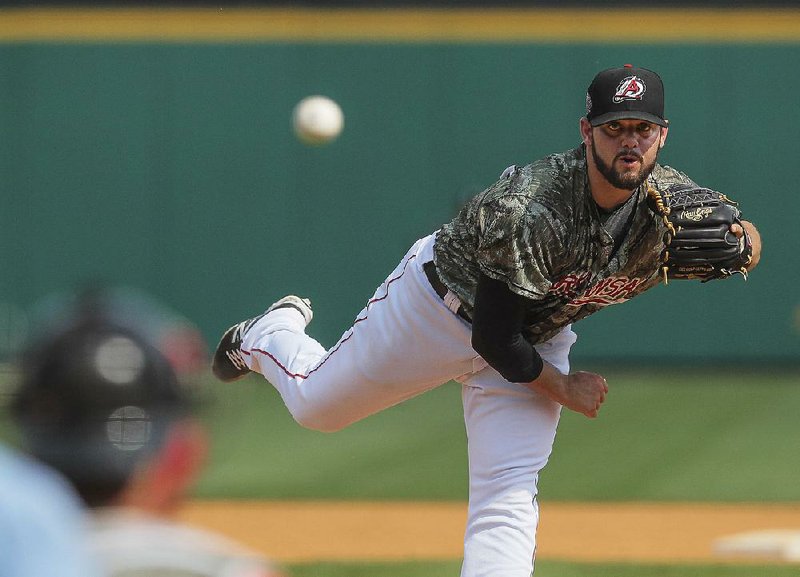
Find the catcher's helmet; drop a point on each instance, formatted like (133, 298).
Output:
(95, 397)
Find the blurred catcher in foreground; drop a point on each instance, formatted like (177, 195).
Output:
(103, 406)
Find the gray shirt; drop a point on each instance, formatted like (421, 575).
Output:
(131, 543)
(538, 230)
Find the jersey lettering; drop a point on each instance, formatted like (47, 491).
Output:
(570, 286)
(608, 291)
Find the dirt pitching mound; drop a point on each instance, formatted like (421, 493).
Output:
(633, 532)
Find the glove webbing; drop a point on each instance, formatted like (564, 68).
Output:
(664, 211)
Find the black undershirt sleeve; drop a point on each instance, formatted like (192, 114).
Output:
(497, 321)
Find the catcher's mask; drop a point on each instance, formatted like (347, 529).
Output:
(95, 397)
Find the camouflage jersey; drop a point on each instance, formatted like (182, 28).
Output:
(539, 230)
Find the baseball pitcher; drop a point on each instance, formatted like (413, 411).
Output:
(490, 300)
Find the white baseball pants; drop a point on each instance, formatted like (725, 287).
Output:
(403, 343)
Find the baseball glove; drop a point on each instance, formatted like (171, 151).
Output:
(700, 244)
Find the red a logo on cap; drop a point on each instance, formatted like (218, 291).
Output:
(631, 88)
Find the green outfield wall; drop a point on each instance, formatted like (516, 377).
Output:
(165, 161)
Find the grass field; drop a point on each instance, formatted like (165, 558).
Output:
(665, 437)
(660, 437)
(543, 569)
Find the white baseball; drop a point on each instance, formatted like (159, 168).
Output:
(317, 120)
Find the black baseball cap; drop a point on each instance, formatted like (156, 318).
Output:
(96, 396)
(625, 92)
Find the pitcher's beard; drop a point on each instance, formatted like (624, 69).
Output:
(625, 180)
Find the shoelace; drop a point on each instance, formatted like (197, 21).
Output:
(236, 358)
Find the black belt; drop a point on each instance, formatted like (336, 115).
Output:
(440, 288)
